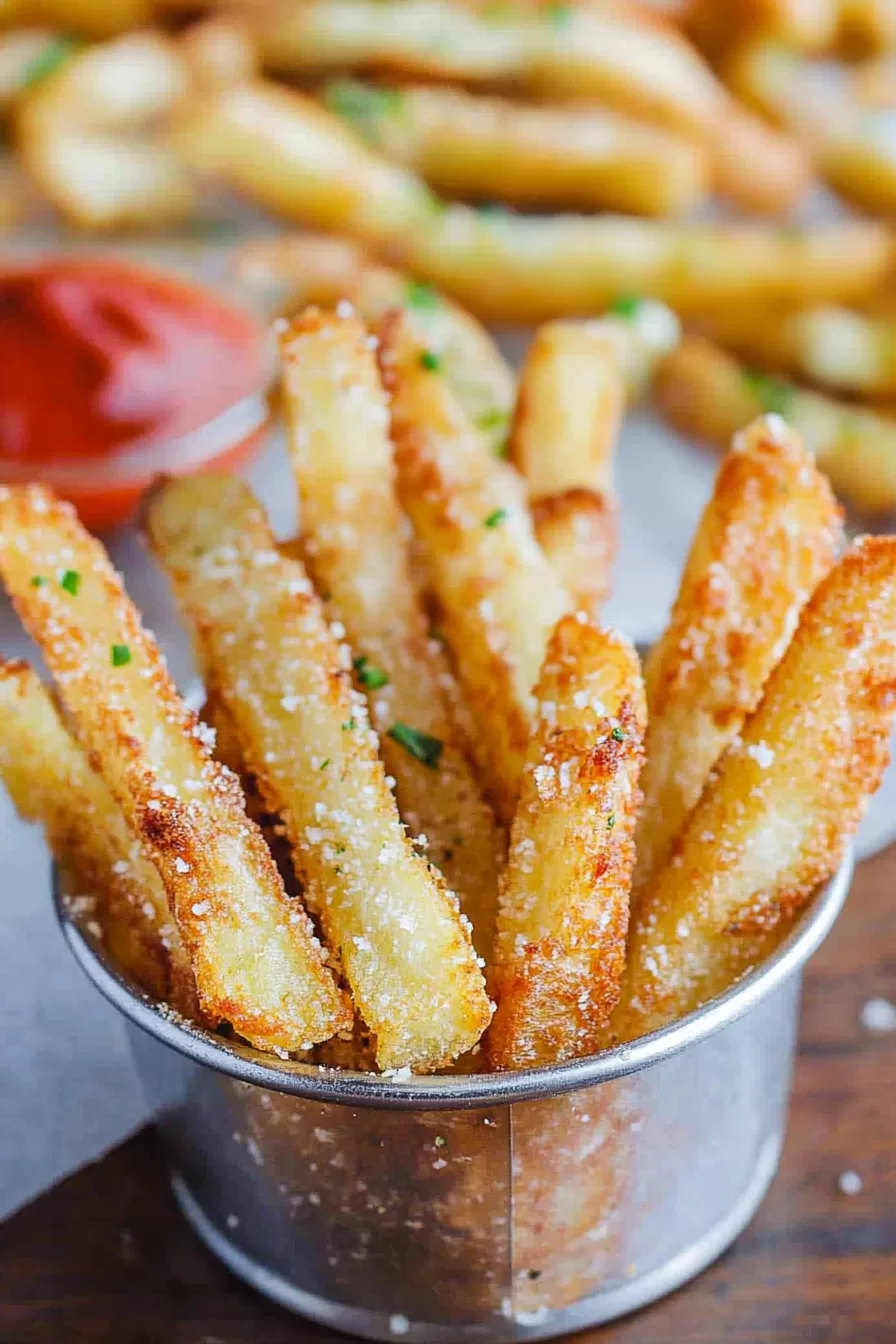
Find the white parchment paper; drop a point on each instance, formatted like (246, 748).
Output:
(67, 1088)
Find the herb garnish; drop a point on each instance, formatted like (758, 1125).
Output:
(421, 746)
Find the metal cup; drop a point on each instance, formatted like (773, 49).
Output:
(484, 1207)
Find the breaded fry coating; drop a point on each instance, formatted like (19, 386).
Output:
(768, 535)
(705, 392)
(498, 596)
(252, 950)
(51, 782)
(284, 677)
(787, 796)
(354, 538)
(563, 910)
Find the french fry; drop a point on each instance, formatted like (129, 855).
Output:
(576, 529)
(89, 134)
(288, 153)
(785, 799)
(510, 268)
(96, 18)
(219, 50)
(396, 930)
(530, 156)
(50, 781)
(719, 25)
(841, 348)
(563, 911)
(595, 53)
(499, 598)
(569, 411)
(704, 392)
(867, 27)
(301, 269)
(767, 537)
(354, 541)
(853, 143)
(765, 171)
(282, 149)
(255, 963)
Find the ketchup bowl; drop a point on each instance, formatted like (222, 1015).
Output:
(112, 372)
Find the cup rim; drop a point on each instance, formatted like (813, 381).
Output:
(317, 1083)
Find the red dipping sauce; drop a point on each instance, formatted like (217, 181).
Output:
(111, 374)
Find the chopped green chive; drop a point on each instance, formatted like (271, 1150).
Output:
(559, 15)
(419, 745)
(323, 765)
(491, 419)
(773, 394)
(611, 821)
(626, 305)
(369, 675)
(348, 726)
(71, 581)
(422, 297)
(362, 104)
(340, 849)
(430, 360)
(38, 581)
(46, 62)
(121, 655)
(618, 735)
(495, 518)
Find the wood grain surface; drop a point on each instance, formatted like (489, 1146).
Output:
(106, 1259)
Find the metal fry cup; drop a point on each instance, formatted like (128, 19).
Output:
(479, 1207)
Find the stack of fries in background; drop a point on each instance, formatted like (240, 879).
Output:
(418, 129)
(417, 697)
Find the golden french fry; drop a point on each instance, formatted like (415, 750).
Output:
(292, 156)
(719, 25)
(563, 911)
(282, 149)
(576, 529)
(498, 597)
(355, 544)
(839, 347)
(704, 392)
(547, 157)
(853, 143)
(89, 134)
(765, 171)
(786, 797)
(295, 270)
(568, 415)
(218, 50)
(574, 51)
(50, 781)
(867, 27)
(767, 537)
(96, 18)
(396, 930)
(569, 409)
(251, 949)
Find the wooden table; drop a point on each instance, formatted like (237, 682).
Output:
(106, 1259)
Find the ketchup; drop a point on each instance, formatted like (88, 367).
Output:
(97, 356)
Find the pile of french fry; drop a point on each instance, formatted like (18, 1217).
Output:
(500, 843)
